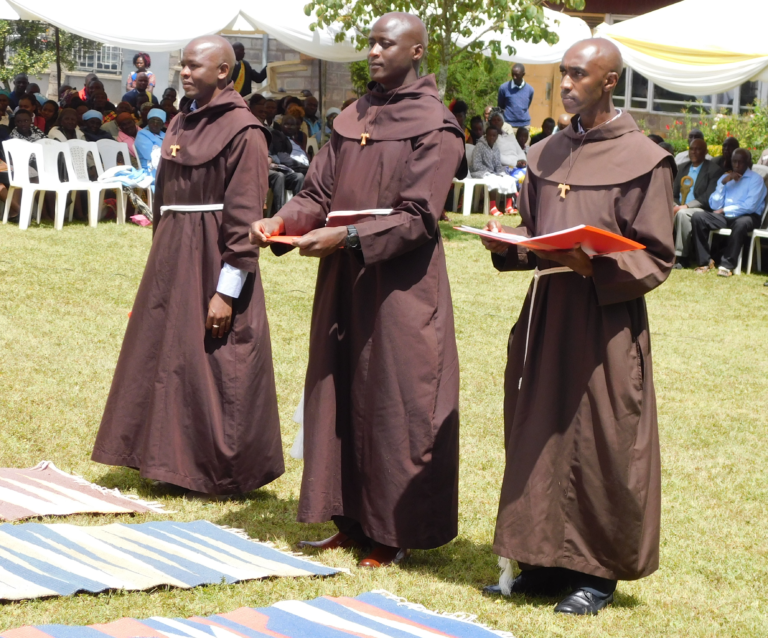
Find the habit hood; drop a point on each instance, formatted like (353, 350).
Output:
(204, 133)
(614, 153)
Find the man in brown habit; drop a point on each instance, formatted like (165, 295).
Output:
(581, 496)
(193, 400)
(381, 411)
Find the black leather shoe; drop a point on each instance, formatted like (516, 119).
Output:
(534, 582)
(582, 603)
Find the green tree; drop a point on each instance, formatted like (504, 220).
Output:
(476, 84)
(447, 21)
(28, 46)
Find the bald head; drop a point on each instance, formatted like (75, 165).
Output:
(207, 64)
(397, 44)
(563, 121)
(741, 160)
(590, 71)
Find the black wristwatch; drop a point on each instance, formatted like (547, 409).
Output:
(353, 239)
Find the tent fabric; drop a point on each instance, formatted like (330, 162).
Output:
(696, 47)
(170, 26)
(569, 29)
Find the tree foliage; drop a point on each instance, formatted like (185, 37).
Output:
(457, 28)
(29, 46)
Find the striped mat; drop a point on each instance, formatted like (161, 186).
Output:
(372, 615)
(44, 490)
(57, 560)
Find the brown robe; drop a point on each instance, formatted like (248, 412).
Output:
(381, 412)
(184, 407)
(582, 485)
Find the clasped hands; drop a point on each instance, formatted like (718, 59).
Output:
(320, 242)
(575, 259)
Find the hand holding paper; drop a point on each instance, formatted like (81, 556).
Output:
(497, 247)
(262, 230)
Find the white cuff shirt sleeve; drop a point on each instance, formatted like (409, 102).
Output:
(231, 281)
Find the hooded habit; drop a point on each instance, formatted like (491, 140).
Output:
(381, 411)
(184, 407)
(582, 485)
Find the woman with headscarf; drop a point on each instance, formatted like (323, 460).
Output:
(142, 62)
(66, 128)
(295, 110)
(50, 112)
(127, 131)
(149, 138)
(92, 127)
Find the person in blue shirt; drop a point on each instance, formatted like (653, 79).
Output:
(148, 138)
(737, 203)
(515, 99)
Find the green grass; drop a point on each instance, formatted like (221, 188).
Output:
(63, 310)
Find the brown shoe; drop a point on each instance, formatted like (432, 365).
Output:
(703, 270)
(337, 540)
(383, 556)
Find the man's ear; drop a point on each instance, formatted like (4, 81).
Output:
(224, 71)
(610, 82)
(418, 52)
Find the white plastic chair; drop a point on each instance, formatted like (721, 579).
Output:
(469, 184)
(76, 156)
(754, 236)
(49, 173)
(18, 154)
(111, 151)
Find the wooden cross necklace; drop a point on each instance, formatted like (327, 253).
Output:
(564, 187)
(365, 135)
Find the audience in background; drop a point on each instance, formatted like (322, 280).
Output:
(127, 133)
(150, 138)
(50, 113)
(521, 135)
(20, 85)
(98, 101)
(515, 99)
(511, 154)
(91, 77)
(656, 139)
(81, 110)
(92, 121)
(142, 62)
(348, 102)
(285, 151)
(487, 112)
(291, 129)
(737, 204)
(170, 94)
(270, 108)
(460, 109)
(330, 115)
(547, 128)
(24, 129)
(111, 126)
(486, 164)
(144, 113)
(476, 130)
(6, 113)
(140, 88)
(66, 128)
(301, 135)
(312, 120)
(243, 74)
(693, 134)
(667, 147)
(29, 103)
(705, 175)
(169, 106)
(724, 161)
(563, 122)
(257, 104)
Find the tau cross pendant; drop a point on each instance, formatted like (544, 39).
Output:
(564, 188)
(174, 148)
(364, 139)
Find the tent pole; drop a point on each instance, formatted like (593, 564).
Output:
(58, 62)
(264, 49)
(321, 91)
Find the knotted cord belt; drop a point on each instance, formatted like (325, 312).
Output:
(537, 274)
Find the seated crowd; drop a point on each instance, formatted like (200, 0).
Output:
(712, 194)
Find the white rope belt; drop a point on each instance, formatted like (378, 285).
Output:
(192, 208)
(360, 213)
(537, 274)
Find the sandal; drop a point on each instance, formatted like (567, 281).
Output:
(724, 272)
(496, 212)
(703, 270)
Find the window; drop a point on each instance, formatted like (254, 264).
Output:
(106, 60)
(620, 94)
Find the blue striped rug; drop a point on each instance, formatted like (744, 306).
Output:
(56, 560)
(372, 615)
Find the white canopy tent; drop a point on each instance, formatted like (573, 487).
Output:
(696, 47)
(171, 28)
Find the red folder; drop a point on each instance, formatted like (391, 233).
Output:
(283, 239)
(594, 241)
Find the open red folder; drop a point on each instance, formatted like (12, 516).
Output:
(594, 241)
(283, 239)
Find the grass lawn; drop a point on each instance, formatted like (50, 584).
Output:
(63, 310)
